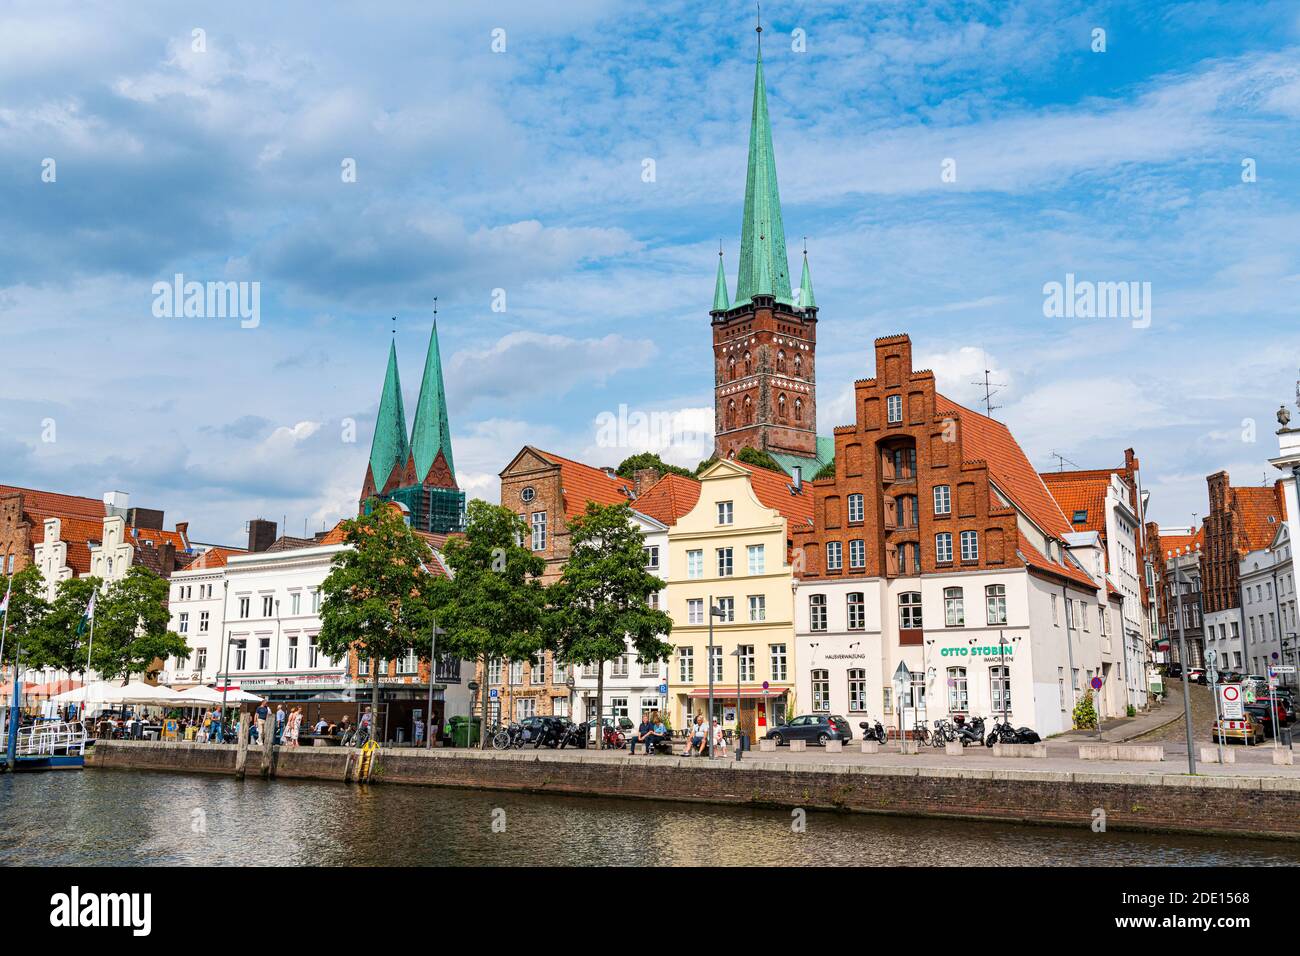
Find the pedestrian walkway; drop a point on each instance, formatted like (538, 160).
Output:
(1119, 729)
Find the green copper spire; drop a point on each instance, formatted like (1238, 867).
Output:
(764, 269)
(806, 298)
(720, 302)
(431, 433)
(389, 448)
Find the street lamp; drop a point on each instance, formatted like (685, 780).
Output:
(737, 655)
(1182, 656)
(713, 612)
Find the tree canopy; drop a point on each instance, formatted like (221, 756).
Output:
(648, 459)
(131, 621)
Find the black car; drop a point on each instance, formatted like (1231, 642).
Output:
(1174, 669)
(814, 728)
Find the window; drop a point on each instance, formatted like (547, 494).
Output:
(970, 545)
(909, 610)
(313, 652)
(817, 612)
(201, 659)
(834, 556)
(652, 557)
(746, 661)
(727, 607)
(516, 673)
(942, 500)
(904, 462)
(494, 671)
(958, 701)
(184, 626)
(315, 600)
(293, 652)
(695, 611)
(243, 606)
(241, 655)
(1000, 688)
(894, 408)
(857, 553)
(525, 707)
(857, 611)
(715, 664)
(528, 494)
(757, 559)
(268, 605)
(537, 674)
(686, 665)
(857, 689)
(907, 509)
(943, 547)
(695, 564)
(725, 567)
(725, 512)
(757, 607)
(264, 654)
(539, 531)
(1056, 621)
(559, 673)
(618, 667)
(777, 653)
(821, 690)
(995, 603)
(295, 602)
(856, 508)
(954, 607)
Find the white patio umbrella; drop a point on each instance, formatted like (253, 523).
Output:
(96, 691)
(138, 692)
(210, 695)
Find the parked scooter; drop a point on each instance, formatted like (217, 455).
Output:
(969, 731)
(1006, 734)
(876, 732)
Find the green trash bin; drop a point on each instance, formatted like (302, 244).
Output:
(464, 731)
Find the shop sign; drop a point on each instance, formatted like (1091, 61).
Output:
(979, 650)
(845, 657)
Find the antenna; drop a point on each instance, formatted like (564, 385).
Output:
(758, 24)
(1062, 460)
(989, 388)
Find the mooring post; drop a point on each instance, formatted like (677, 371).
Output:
(241, 754)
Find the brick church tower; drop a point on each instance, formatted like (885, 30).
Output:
(765, 341)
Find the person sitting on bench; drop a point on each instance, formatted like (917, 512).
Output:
(644, 734)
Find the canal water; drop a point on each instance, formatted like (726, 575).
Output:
(124, 818)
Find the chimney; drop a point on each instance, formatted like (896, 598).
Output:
(183, 529)
(643, 479)
(167, 558)
(115, 503)
(797, 478)
(261, 534)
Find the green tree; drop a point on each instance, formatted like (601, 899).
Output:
(491, 606)
(602, 598)
(377, 597)
(759, 459)
(648, 459)
(57, 643)
(27, 612)
(704, 464)
(131, 620)
(1085, 713)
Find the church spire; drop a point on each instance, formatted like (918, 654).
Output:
(764, 269)
(431, 433)
(388, 449)
(806, 298)
(720, 301)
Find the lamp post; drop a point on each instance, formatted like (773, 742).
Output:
(433, 673)
(1182, 656)
(1006, 674)
(737, 655)
(713, 612)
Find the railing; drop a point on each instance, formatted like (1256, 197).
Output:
(51, 737)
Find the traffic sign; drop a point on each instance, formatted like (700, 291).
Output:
(901, 674)
(1211, 657)
(1230, 699)
(766, 685)
(663, 688)
(1096, 683)
(1283, 668)
(494, 693)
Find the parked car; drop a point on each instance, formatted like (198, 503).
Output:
(1197, 675)
(814, 728)
(1249, 730)
(1230, 677)
(1173, 669)
(1285, 709)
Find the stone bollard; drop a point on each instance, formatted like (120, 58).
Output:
(1143, 752)
(1211, 755)
(1283, 757)
(798, 746)
(767, 746)
(906, 746)
(953, 748)
(1019, 750)
(834, 746)
(871, 746)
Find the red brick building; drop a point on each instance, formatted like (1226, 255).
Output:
(1239, 520)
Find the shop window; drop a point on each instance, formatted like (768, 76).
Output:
(821, 691)
(958, 700)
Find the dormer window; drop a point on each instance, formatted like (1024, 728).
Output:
(1080, 516)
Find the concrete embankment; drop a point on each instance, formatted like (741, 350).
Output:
(1265, 806)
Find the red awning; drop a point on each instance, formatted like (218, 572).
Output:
(721, 691)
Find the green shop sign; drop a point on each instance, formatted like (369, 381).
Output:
(979, 650)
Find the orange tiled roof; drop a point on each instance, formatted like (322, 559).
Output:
(213, 558)
(669, 498)
(1037, 560)
(773, 490)
(1182, 542)
(1256, 506)
(582, 483)
(78, 533)
(1076, 491)
(991, 441)
(55, 505)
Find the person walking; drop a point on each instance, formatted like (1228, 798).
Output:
(262, 713)
(280, 717)
(292, 726)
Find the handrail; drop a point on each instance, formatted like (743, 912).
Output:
(50, 737)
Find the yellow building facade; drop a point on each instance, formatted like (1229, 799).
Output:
(732, 549)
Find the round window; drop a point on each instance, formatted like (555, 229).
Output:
(528, 494)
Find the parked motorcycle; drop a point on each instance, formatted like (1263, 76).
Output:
(508, 738)
(876, 732)
(575, 735)
(549, 734)
(969, 731)
(614, 739)
(1006, 734)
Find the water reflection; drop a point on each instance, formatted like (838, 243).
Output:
(108, 817)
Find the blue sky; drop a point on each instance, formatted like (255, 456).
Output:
(522, 171)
